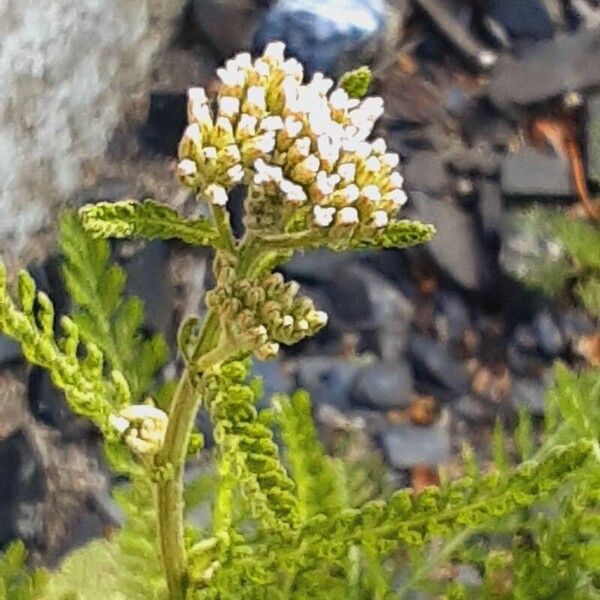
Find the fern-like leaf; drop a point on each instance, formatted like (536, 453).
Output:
(148, 220)
(17, 580)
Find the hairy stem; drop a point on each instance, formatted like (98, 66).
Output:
(169, 493)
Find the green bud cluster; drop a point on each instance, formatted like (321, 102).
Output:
(266, 312)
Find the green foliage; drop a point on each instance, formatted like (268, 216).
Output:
(571, 260)
(148, 220)
(357, 82)
(31, 323)
(102, 314)
(17, 580)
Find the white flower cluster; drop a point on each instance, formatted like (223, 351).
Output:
(292, 141)
(143, 427)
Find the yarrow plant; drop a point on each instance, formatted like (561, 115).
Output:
(281, 526)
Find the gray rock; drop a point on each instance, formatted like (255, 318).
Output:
(432, 363)
(593, 137)
(523, 19)
(473, 410)
(530, 172)
(567, 63)
(491, 206)
(408, 445)
(329, 36)
(316, 265)
(367, 302)
(10, 351)
(530, 394)
(274, 377)
(425, 171)
(384, 386)
(328, 380)
(227, 25)
(457, 246)
(549, 337)
(455, 313)
(22, 482)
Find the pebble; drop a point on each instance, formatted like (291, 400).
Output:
(384, 386)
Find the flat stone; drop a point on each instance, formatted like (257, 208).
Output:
(455, 313)
(366, 302)
(407, 445)
(328, 380)
(425, 171)
(549, 336)
(523, 19)
(592, 132)
(529, 172)
(316, 265)
(566, 63)
(457, 247)
(384, 386)
(326, 35)
(531, 394)
(227, 25)
(433, 363)
(10, 351)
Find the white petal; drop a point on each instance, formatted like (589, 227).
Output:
(216, 194)
(371, 192)
(348, 215)
(275, 51)
(256, 96)
(272, 123)
(261, 67)
(379, 146)
(380, 218)
(229, 106)
(347, 171)
(197, 94)
(397, 196)
(396, 179)
(192, 133)
(391, 159)
(351, 193)
(372, 164)
(292, 127)
(323, 215)
(186, 168)
(210, 152)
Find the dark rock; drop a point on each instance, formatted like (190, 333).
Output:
(274, 378)
(528, 19)
(593, 137)
(148, 277)
(316, 265)
(474, 411)
(10, 351)
(530, 172)
(327, 36)
(48, 405)
(167, 118)
(575, 323)
(479, 160)
(457, 246)
(407, 445)
(433, 363)
(227, 25)
(366, 302)
(426, 172)
(549, 337)
(491, 205)
(328, 380)
(524, 336)
(530, 394)
(22, 482)
(109, 189)
(567, 63)
(455, 313)
(384, 386)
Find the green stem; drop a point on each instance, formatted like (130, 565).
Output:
(169, 493)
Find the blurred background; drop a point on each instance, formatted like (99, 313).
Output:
(494, 107)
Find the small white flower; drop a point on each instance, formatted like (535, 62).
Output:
(372, 107)
(224, 124)
(236, 173)
(247, 124)
(292, 126)
(396, 179)
(271, 123)
(197, 94)
(348, 215)
(288, 321)
(311, 163)
(302, 146)
(371, 192)
(328, 148)
(340, 100)
(266, 142)
(192, 133)
(293, 192)
(200, 113)
(256, 96)
(275, 51)
(380, 218)
(293, 68)
(320, 84)
(319, 317)
(266, 173)
(351, 193)
(186, 168)
(232, 77)
(363, 149)
(323, 215)
(397, 196)
(232, 153)
(210, 152)
(229, 106)
(121, 424)
(347, 171)
(391, 159)
(379, 146)
(303, 325)
(372, 164)
(243, 60)
(261, 67)
(216, 194)
(326, 183)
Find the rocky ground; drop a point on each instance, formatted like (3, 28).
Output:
(492, 105)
